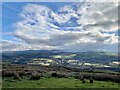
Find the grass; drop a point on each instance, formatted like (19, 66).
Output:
(56, 83)
(110, 54)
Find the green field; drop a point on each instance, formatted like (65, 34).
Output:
(64, 56)
(56, 83)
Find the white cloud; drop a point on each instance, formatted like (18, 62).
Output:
(64, 14)
(76, 27)
(12, 46)
(103, 15)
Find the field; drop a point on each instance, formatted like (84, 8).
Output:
(56, 83)
(64, 56)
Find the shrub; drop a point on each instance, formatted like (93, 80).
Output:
(35, 77)
(91, 80)
(59, 75)
(21, 73)
(7, 74)
(77, 77)
(28, 73)
(82, 79)
(16, 76)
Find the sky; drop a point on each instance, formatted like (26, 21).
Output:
(67, 26)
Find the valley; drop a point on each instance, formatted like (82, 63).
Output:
(82, 60)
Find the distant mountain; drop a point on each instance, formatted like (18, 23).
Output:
(90, 56)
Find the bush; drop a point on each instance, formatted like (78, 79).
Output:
(77, 77)
(59, 75)
(7, 74)
(35, 77)
(16, 76)
(28, 73)
(21, 73)
(103, 77)
(82, 79)
(91, 80)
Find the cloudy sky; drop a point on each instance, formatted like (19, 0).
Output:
(79, 26)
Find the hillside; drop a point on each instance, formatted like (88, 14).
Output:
(90, 57)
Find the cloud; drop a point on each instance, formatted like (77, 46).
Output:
(75, 27)
(20, 46)
(12, 46)
(102, 15)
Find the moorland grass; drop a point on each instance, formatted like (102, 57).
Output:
(56, 83)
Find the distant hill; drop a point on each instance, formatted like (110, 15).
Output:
(97, 57)
(90, 56)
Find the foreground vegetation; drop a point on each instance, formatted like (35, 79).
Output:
(36, 76)
(56, 83)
